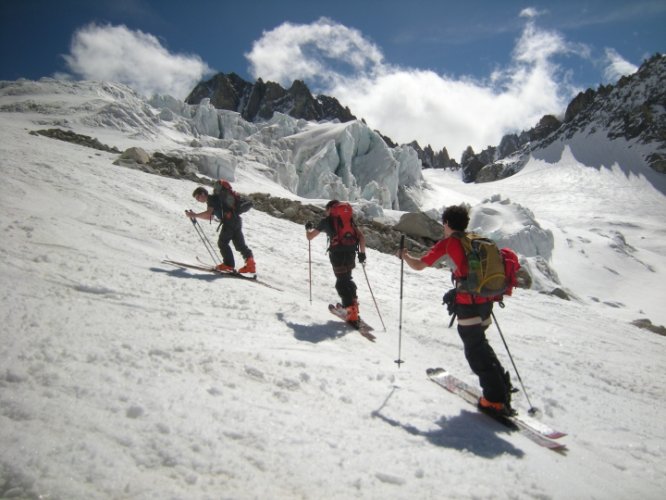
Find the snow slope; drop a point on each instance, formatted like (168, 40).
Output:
(122, 377)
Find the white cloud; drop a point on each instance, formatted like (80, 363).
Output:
(617, 66)
(310, 51)
(137, 59)
(408, 104)
(530, 12)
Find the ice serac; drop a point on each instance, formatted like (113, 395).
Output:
(512, 225)
(352, 162)
(347, 161)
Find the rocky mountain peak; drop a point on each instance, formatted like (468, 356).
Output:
(260, 100)
(431, 159)
(632, 110)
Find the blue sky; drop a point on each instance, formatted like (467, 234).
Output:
(446, 73)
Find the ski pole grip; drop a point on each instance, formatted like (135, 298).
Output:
(193, 219)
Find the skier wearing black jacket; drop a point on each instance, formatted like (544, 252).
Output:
(223, 206)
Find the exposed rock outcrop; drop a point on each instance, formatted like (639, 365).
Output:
(260, 100)
(69, 136)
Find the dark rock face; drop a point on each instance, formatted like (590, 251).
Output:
(471, 165)
(546, 126)
(224, 91)
(81, 140)
(509, 144)
(260, 100)
(430, 159)
(578, 104)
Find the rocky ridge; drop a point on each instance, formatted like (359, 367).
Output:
(260, 100)
(634, 109)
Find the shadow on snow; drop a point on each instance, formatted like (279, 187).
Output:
(184, 273)
(316, 333)
(465, 432)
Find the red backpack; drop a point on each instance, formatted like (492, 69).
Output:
(342, 221)
(511, 267)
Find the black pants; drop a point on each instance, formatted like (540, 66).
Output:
(232, 231)
(343, 262)
(473, 321)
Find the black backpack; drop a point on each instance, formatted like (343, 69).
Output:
(230, 200)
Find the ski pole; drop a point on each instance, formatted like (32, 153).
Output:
(373, 295)
(532, 409)
(204, 239)
(310, 267)
(399, 361)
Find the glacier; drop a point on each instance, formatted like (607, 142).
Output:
(346, 161)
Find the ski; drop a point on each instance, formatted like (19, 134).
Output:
(360, 325)
(531, 428)
(212, 269)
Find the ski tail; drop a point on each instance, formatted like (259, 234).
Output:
(531, 428)
(363, 328)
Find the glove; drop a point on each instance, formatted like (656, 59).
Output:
(450, 300)
(361, 257)
(309, 226)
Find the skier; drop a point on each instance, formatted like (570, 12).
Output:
(223, 207)
(474, 314)
(345, 239)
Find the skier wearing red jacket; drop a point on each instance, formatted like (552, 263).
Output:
(474, 313)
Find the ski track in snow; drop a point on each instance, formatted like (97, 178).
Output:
(121, 377)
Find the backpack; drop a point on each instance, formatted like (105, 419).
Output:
(231, 201)
(511, 268)
(491, 271)
(342, 222)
